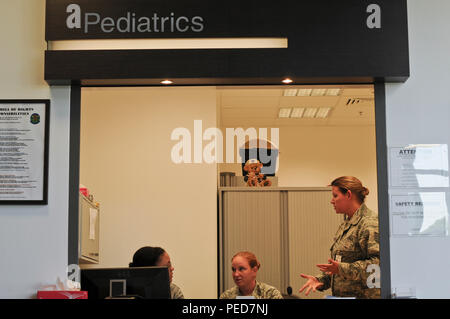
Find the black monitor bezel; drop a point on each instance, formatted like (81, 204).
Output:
(93, 281)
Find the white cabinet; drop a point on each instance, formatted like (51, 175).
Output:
(290, 230)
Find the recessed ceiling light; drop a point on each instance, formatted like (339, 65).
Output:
(323, 112)
(287, 81)
(290, 92)
(333, 92)
(318, 92)
(310, 112)
(166, 82)
(284, 112)
(297, 112)
(304, 92)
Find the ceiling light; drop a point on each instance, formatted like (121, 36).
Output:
(166, 82)
(290, 92)
(323, 112)
(287, 81)
(318, 92)
(297, 112)
(333, 92)
(284, 112)
(310, 112)
(304, 92)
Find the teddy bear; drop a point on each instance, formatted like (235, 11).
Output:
(254, 176)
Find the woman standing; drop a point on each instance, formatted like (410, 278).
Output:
(245, 266)
(355, 246)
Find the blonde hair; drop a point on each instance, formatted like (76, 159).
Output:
(251, 258)
(345, 183)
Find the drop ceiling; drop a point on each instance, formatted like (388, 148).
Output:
(259, 106)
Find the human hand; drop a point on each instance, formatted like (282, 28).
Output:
(330, 269)
(312, 283)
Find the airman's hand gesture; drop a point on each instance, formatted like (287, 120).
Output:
(312, 283)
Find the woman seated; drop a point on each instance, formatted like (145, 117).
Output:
(156, 256)
(245, 266)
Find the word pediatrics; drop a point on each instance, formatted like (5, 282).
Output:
(131, 22)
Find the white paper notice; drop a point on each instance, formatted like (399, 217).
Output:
(93, 214)
(416, 214)
(22, 146)
(420, 165)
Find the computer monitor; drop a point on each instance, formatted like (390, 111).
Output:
(133, 282)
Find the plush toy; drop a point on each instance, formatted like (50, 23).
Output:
(254, 176)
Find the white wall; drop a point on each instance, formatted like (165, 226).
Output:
(312, 156)
(145, 198)
(418, 111)
(33, 239)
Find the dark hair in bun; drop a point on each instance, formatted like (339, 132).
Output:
(346, 183)
(147, 256)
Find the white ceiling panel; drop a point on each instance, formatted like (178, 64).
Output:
(259, 106)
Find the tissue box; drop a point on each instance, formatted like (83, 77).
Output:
(62, 294)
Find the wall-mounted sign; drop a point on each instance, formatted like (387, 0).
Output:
(419, 166)
(328, 41)
(24, 126)
(131, 22)
(122, 19)
(419, 214)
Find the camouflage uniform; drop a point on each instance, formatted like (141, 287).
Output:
(261, 291)
(357, 244)
(175, 292)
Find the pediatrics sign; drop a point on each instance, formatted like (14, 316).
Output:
(131, 22)
(359, 40)
(84, 19)
(112, 19)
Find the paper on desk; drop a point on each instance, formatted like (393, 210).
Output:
(93, 214)
(333, 297)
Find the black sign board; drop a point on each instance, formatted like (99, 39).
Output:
(328, 40)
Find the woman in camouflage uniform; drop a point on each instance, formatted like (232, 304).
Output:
(244, 266)
(156, 256)
(355, 249)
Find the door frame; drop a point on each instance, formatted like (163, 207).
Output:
(382, 183)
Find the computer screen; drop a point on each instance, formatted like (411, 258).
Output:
(138, 282)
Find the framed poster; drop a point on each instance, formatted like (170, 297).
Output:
(24, 136)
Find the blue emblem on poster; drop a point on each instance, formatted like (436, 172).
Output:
(35, 118)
